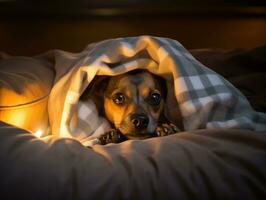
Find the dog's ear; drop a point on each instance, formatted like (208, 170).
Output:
(172, 112)
(95, 92)
(95, 88)
(163, 86)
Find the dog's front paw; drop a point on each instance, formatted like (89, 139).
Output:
(112, 136)
(166, 129)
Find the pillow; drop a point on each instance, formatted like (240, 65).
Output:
(25, 84)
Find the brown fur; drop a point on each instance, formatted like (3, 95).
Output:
(136, 86)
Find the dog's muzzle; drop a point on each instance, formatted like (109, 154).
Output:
(140, 121)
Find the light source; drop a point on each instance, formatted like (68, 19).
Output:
(38, 133)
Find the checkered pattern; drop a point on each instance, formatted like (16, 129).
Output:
(206, 99)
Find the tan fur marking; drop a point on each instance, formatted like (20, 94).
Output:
(131, 86)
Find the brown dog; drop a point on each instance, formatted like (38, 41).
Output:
(133, 103)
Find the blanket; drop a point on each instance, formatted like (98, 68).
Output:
(200, 164)
(205, 99)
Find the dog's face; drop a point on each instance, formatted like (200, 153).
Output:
(134, 103)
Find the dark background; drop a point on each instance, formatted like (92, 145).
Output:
(32, 27)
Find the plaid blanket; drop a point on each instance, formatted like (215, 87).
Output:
(206, 100)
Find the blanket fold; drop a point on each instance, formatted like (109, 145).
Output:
(200, 164)
(204, 98)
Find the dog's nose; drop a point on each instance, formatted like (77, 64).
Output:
(140, 121)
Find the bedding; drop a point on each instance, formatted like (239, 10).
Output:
(199, 164)
(204, 162)
(202, 97)
(241, 67)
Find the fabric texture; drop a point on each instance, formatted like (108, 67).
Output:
(200, 164)
(205, 99)
(241, 67)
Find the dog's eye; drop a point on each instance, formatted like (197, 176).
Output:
(118, 98)
(154, 98)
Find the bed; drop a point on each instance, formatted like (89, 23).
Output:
(200, 163)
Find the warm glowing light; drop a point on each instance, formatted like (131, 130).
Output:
(17, 118)
(39, 133)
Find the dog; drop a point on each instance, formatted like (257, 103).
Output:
(133, 103)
